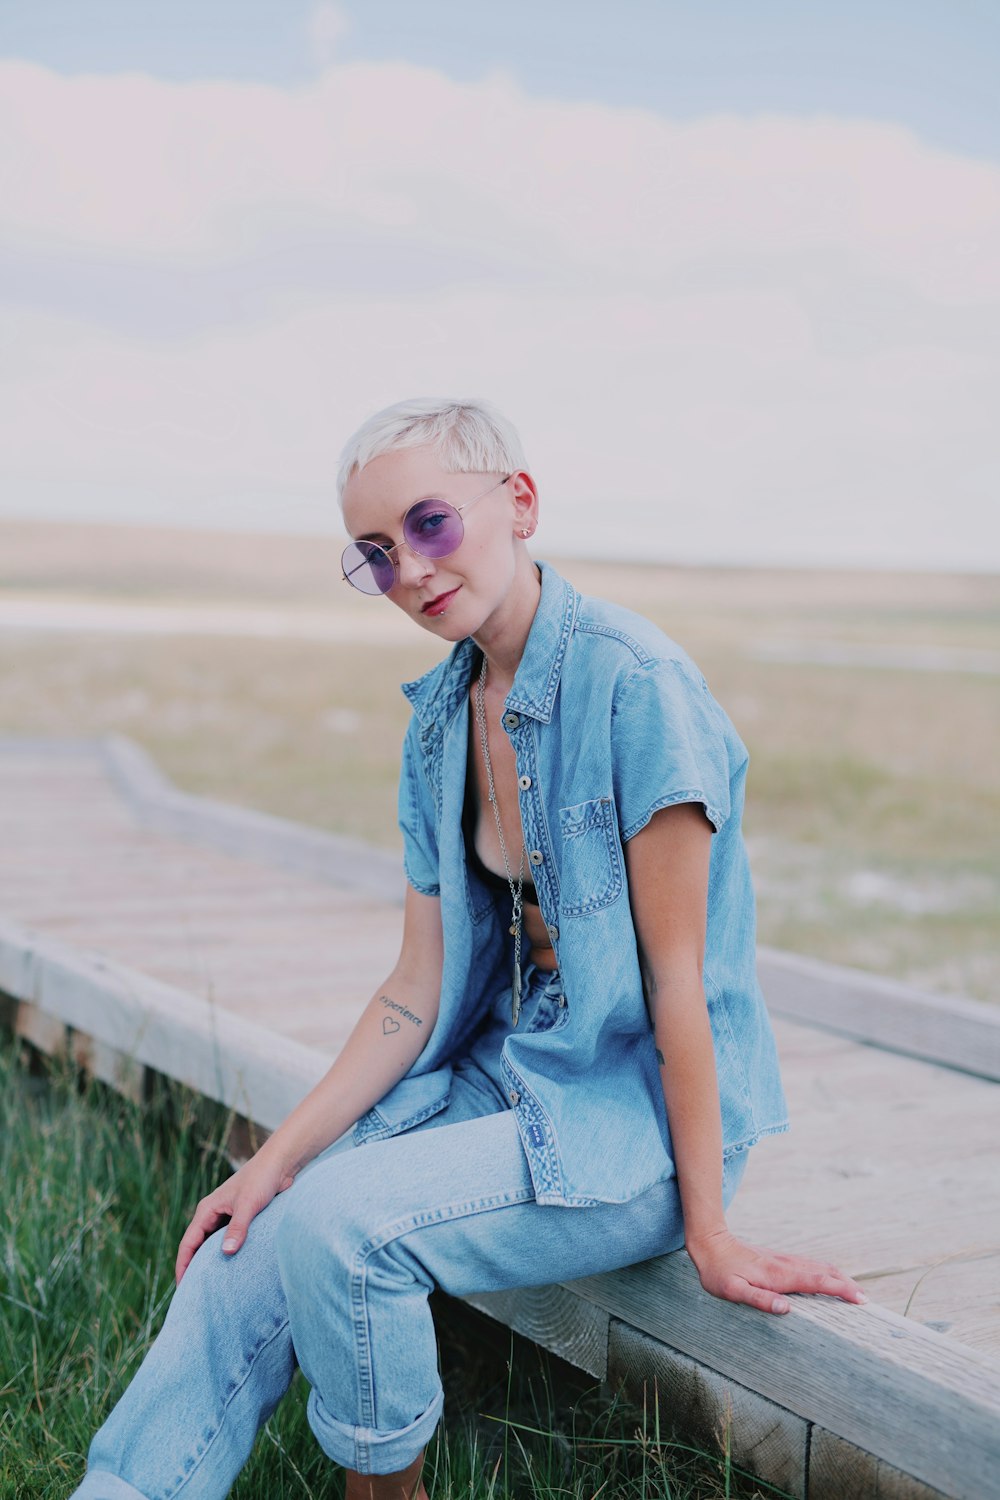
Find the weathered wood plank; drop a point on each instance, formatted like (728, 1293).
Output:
(892, 1159)
(913, 1397)
(107, 1064)
(43, 1031)
(246, 1067)
(575, 1330)
(959, 1033)
(891, 1164)
(250, 834)
(840, 1471)
(718, 1414)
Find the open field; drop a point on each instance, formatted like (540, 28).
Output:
(874, 798)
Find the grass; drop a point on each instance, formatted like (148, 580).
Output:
(98, 1191)
(873, 807)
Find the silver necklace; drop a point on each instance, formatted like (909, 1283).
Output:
(515, 890)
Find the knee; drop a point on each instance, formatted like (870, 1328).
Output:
(221, 1282)
(315, 1236)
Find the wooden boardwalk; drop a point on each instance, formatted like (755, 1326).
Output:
(235, 951)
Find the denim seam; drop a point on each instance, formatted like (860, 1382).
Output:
(264, 1344)
(593, 627)
(687, 794)
(378, 1241)
(543, 1161)
(548, 870)
(607, 824)
(364, 1132)
(710, 984)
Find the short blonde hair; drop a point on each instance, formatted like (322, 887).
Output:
(471, 437)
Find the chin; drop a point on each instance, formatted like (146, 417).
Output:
(445, 627)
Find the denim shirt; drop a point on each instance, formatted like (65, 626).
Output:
(609, 721)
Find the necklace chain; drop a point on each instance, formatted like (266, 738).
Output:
(516, 891)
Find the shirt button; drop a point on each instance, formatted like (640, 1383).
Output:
(536, 856)
(553, 932)
(514, 1096)
(524, 782)
(511, 721)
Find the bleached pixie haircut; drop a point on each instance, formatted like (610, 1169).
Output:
(471, 437)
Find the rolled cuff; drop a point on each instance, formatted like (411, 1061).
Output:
(365, 1449)
(99, 1485)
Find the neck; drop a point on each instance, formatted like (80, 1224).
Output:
(502, 637)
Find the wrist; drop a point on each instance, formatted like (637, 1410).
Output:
(281, 1156)
(702, 1239)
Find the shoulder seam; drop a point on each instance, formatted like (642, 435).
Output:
(695, 677)
(593, 627)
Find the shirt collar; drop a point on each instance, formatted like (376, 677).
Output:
(435, 695)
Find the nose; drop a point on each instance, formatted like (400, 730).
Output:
(411, 568)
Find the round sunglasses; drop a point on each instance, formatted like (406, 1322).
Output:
(431, 528)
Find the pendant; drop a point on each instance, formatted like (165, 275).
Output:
(515, 990)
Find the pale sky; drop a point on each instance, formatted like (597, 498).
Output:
(734, 271)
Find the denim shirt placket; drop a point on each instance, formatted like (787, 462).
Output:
(535, 1127)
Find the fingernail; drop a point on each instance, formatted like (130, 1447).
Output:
(862, 1298)
(229, 1244)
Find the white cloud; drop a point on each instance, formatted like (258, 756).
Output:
(326, 27)
(758, 338)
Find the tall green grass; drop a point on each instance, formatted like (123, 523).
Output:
(97, 1191)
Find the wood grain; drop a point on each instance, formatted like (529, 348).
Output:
(575, 1330)
(913, 1397)
(838, 1470)
(960, 1033)
(687, 1398)
(209, 949)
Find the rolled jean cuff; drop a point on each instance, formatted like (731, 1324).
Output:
(99, 1485)
(365, 1449)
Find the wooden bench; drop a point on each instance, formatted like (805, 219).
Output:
(830, 1401)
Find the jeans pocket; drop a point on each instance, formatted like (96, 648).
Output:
(593, 871)
(546, 1013)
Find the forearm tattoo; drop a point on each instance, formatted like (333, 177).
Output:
(388, 1024)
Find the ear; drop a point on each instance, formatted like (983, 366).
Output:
(524, 503)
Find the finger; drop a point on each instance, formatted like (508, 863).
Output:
(185, 1255)
(765, 1298)
(828, 1284)
(205, 1218)
(236, 1233)
(810, 1276)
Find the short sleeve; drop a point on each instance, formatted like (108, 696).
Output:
(670, 744)
(416, 820)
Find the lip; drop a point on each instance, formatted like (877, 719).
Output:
(440, 604)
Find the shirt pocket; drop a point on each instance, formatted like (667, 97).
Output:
(593, 872)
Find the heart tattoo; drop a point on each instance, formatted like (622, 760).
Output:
(389, 1025)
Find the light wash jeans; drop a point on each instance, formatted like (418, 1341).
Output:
(335, 1274)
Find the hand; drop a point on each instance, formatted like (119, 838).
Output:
(239, 1200)
(738, 1272)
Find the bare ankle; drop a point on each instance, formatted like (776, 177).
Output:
(406, 1484)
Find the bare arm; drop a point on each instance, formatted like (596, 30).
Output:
(388, 1038)
(667, 863)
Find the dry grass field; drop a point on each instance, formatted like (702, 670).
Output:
(870, 703)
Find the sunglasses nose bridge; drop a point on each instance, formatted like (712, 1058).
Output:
(415, 563)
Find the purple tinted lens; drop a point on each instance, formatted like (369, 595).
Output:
(368, 568)
(433, 528)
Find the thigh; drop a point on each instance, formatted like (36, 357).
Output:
(458, 1199)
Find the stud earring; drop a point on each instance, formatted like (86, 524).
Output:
(525, 532)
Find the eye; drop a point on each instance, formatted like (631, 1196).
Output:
(431, 521)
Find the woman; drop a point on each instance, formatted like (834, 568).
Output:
(567, 1066)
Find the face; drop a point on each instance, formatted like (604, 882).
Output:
(449, 596)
